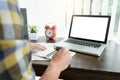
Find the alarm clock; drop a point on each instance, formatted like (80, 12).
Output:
(50, 32)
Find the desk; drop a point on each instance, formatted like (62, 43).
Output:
(86, 67)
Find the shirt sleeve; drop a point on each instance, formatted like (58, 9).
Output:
(15, 54)
(15, 60)
(11, 20)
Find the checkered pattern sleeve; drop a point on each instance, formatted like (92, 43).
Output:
(11, 20)
(15, 62)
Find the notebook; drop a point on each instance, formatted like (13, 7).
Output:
(87, 34)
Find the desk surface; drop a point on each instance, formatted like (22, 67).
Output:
(107, 62)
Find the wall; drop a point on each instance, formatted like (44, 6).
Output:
(42, 12)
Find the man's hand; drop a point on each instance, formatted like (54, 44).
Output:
(59, 62)
(35, 47)
(61, 59)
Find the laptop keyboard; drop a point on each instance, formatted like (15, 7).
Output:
(84, 43)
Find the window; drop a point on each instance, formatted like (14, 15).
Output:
(96, 7)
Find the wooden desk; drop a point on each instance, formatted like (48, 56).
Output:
(86, 67)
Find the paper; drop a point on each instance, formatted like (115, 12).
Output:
(46, 54)
(38, 58)
(72, 53)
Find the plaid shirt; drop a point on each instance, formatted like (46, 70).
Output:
(11, 21)
(15, 62)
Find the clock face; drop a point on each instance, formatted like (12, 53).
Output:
(49, 33)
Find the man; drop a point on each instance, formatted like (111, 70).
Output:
(15, 63)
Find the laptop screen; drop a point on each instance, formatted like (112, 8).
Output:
(90, 27)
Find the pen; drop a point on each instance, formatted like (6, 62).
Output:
(58, 48)
(45, 57)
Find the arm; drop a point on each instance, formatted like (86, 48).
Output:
(59, 62)
(51, 73)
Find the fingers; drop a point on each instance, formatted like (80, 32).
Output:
(34, 51)
(62, 59)
(34, 45)
(63, 50)
(41, 47)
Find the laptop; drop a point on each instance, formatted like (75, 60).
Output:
(87, 34)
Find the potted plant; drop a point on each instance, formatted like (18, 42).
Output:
(33, 30)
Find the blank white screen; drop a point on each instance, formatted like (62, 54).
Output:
(93, 28)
